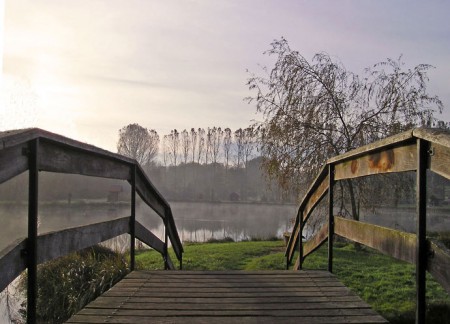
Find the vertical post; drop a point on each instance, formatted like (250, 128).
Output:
(166, 242)
(31, 252)
(330, 216)
(421, 250)
(133, 218)
(300, 241)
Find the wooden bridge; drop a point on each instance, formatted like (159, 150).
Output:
(227, 297)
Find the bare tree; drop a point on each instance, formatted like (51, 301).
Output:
(201, 144)
(185, 145)
(208, 145)
(193, 139)
(138, 143)
(173, 142)
(239, 140)
(248, 144)
(315, 110)
(216, 142)
(227, 141)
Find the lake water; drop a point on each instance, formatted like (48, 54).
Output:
(195, 221)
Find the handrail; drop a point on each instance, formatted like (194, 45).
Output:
(38, 150)
(415, 150)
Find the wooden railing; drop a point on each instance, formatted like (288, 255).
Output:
(418, 150)
(37, 150)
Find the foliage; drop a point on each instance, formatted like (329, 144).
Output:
(313, 110)
(138, 143)
(67, 284)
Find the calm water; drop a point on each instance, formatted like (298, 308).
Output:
(195, 221)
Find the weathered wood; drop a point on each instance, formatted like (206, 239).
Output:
(313, 196)
(13, 161)
(55, 244)
(395, 140)
(148, 237)
(399, 245)
(439, 264)
(228, 319)
(148, 195)
(316, 241)
(187, 301)
(57, 157)
(385, 160)
(440, 160)
(11, 262)
(170, 263)
(436, 135)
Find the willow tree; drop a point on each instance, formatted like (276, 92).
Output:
(313, 110)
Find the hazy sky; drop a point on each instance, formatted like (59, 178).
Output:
(86, 68)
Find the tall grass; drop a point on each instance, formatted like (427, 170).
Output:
(67, 284)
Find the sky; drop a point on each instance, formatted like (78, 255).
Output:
(87, 68)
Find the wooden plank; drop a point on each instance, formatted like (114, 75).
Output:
(440, 160)
(228, 319)
(61, 158)
(386, 160)
(148, 237)
(315, 242)
(395, 140)
(55, 244)
(436, 135)
(399, 245)
(13, 162)
(11, 262)
(439, 264)
(149, 196)
(278, 301)
(312, 197)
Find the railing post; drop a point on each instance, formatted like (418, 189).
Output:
(166, 242)
(421, 252)
(330, 216)
(300, 241)
(133, 218)
(31, 252)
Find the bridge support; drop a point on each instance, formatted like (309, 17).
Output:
(31, 250)
(133, 219)
(421, 252)
(330, 216)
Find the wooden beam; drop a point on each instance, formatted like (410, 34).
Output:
(386, 160)
(149, 196)
(439, 264)
(399, 245)
(57, 157)
(13, 161)
(316, 241)
(12, 262)
(143, 234)
(315, 197)
(440, 160)
(55, 244)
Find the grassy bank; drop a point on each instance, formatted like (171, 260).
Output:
(386, 284)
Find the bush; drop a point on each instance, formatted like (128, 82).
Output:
(67, 284)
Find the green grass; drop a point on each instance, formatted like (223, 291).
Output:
(388, 285)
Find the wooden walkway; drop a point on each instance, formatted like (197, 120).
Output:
(228, 297)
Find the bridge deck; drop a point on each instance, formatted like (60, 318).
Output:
(228, 297)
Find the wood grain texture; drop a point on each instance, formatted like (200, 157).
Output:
(439, 264)
(440, 160)
(316, 241)
(55, 244)
(148, 238)
(228, 297)
(13, 162)
(385, 160)
(399, 245)
(12, 263)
